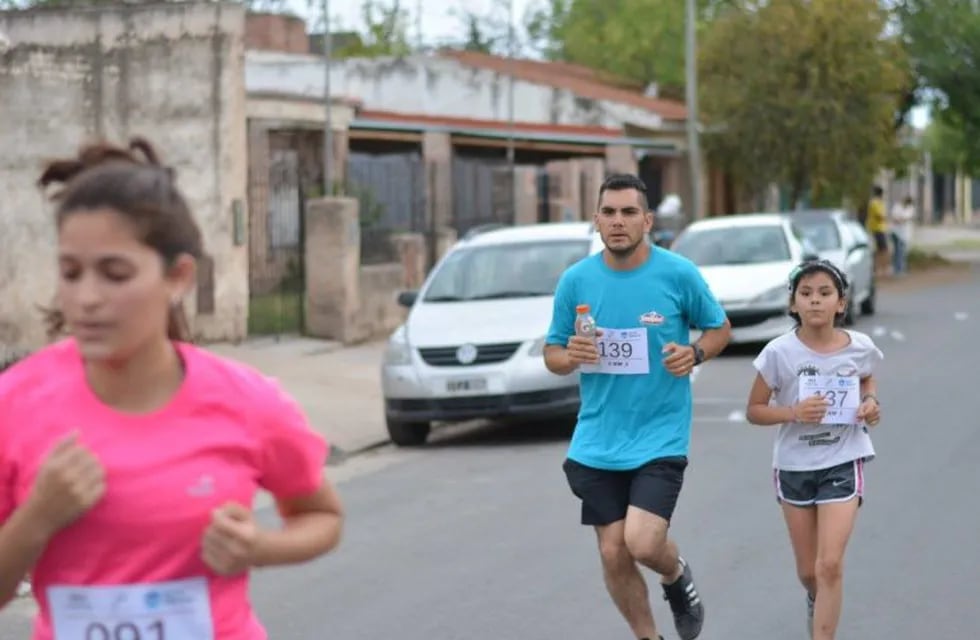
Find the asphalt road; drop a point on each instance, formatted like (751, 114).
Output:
(476, 537)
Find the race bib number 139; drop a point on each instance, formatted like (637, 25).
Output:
(621, 352)
(179, 610)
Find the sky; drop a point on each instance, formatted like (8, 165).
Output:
(435, 17)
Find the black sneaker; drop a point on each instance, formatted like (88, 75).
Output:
(685, 603)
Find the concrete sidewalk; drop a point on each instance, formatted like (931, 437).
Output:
(959, 243)
(338, 387)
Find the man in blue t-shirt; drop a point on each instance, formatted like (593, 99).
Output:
(627, 457)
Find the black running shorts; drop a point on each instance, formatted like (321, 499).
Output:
(835, 484)
(606, 495)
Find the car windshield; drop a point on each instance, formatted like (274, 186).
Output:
(516, 270)
(821, 232)
(733, 245)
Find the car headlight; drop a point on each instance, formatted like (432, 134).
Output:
(776, 295)
(537, 348)
(398, 352)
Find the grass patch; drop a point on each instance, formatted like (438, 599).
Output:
(924, 259)
(274, 313)
(966, 243)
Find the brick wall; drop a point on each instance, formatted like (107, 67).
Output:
(273, 32)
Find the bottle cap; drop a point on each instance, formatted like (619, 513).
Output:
(582, 308)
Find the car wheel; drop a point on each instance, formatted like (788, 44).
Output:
(408, 434)
(868, 306)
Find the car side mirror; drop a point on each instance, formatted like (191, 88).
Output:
(407, 298)
(809, 256)
(858, 247)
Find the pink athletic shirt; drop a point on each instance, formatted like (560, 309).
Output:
(227, 432)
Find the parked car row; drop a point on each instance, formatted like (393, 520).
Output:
(471, 345)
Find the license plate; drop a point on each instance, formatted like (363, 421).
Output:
(463, 385)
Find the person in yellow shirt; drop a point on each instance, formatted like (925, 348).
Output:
(877, 224)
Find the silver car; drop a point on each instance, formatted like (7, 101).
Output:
(471, 346)
(837, 237)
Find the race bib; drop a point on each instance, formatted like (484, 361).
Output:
(179, 610)
(843, 395)
(621, 352)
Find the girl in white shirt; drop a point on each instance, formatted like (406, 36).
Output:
(816, 382)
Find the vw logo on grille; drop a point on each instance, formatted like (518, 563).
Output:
(466, 354)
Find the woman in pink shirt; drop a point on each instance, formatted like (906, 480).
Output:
(129, 459)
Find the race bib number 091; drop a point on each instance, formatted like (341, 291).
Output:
(842, 393)
(179, 610)
(126, 631)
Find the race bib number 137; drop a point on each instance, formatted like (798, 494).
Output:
(842, 393)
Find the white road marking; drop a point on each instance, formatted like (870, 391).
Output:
(879, 332)
(898, 336)
(961, 315)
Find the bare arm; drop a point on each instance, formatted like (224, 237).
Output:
(759, 412)
(312, 526)
(714, 341)
(557, 361)
(869, 387)
(808, 411)
(22, 541)
(565, 360)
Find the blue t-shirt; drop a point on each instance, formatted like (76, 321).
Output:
(627, 420)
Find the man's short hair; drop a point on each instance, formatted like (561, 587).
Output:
(622, 182)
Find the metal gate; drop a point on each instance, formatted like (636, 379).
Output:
(483, 193)
(390, 188)
(279, 307)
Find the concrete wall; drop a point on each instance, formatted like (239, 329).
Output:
(172, 73)
(346, 301)
(437, 86)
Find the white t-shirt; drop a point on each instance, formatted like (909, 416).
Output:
(807, 447)
(902, 220)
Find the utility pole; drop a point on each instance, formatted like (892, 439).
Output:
(510, 109)
(328, 121)
(693, 149)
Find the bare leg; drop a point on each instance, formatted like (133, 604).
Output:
(624, 581)
(647, 541)
(835, 522)
(802, 525)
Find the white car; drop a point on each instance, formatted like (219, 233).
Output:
(746, 261)
(471, 346)
(843, 241)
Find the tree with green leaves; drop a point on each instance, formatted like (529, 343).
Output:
(488, 32)
(641, 41)
(943, 40)
(385, 31)
(804, 94)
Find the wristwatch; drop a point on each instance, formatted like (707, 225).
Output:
(698, 354)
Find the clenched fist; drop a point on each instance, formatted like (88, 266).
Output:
(70, 482)
(812, 410)
(229, 541)
(582, 349)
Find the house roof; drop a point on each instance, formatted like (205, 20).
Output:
(474, 123)
(581, 134)
(578, 79)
